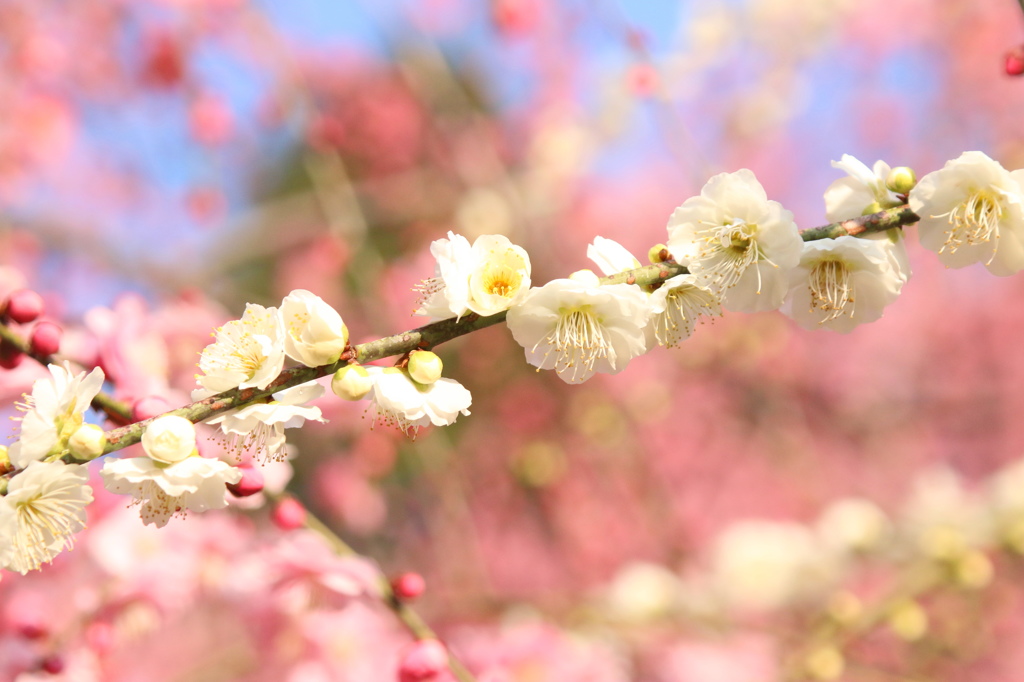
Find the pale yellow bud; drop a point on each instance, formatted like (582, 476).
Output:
(825, 662)
(5, 461)
(169, 439)
(901, 179)
(351, 382)
(845, 607)
(87, 442)
(908, 621)
(973, 570)
(424, 367)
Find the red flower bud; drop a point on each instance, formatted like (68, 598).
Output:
(288, 514)
(408, 586)
(45, 339)
(250, 483)
(24, 305)
(1015, 61)
(423, 660)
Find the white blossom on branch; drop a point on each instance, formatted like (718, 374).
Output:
(738, 242)
(972, 211)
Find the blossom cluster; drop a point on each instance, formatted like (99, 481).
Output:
(943, 536)
(728, 249)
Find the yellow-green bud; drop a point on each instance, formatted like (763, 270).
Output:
(87, 442)
(825, 662)
(908, 621)
(351, 382)
(424, 367)
(845, 607)
(901, 179)
(658, 254)
(873, 207)
(973, 570)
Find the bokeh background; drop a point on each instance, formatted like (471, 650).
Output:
(163, 162)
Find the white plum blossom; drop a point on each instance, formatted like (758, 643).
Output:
(261, 426)
(943, 518)
(578, 327)
(169, 439)
(737, 242)
(853, 524)
(841, 283)
(676, 306)
(53, 413)
(164, 490)
(641, 592)
(485, 278)
(679, 304)
(315, 334)
(972, 211)
(247, 353)
(610, 256)
(398, 401)
(47, 501)
(863, 190)
(763, 565)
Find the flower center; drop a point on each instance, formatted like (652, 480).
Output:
(831, 289)
(502, 281)
(727, 250)
(44, 521)
(684, 306)
(975, 221)
(578, 340)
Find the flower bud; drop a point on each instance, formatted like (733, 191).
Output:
(408, 586)
(87, 442)
(52, 664)
(422, 660)
(844, 608)
(45, 339)
(825, 662)
(250, 483)
(24, 305)
(351, 382)
(973, 570)
(901, 179)
(288, 514)
(658, 254)
(5, 460)
(908, 621)
(424, 367)
(316, 334)
(1014, 64)
(169, 439)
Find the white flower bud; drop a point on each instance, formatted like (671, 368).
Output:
(351, 382)
(87, 442)
(901, 179)
(424, 367)
(315, 334)
(169, 439)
